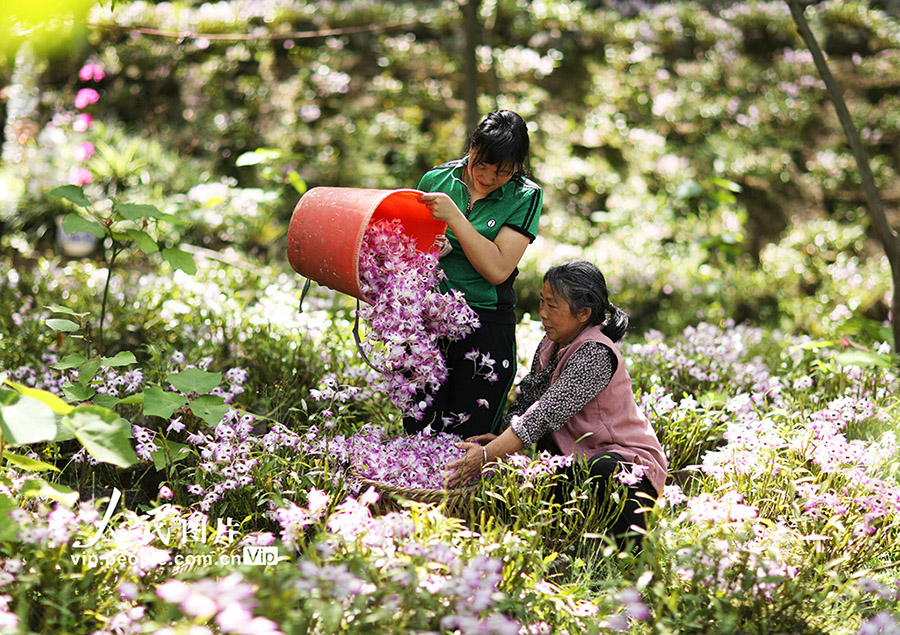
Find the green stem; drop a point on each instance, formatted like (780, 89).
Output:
(109, 271)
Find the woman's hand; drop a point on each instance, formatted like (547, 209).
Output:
(482, 439)
(441, 206)
(462, 471)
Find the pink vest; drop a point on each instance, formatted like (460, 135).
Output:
(611, 421)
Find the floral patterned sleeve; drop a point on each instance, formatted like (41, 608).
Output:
(588, 371)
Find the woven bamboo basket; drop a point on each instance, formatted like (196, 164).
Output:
(456, 501)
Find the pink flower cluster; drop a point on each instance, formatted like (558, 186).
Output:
(80, 175)
(229, 600)
(416, 461)
(408, 316)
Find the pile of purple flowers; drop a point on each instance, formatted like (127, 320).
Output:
(408, 316)
(416, 461)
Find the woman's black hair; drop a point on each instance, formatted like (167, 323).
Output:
(582, 285)
(501, 138)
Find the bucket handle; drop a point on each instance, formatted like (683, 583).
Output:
(303, 293)
(359, 342)
(356, 336)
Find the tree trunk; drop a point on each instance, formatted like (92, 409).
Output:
(472, 29)
(888, 238)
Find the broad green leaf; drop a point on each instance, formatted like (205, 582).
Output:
(123, 358)
(180, 260)
(103, 433)
(105, 401)
(26, 420)
(41, 488)
(863, 359)
(58, 308)
(59, 324)
(195, 380)
(143, 240)
(78, 392)
(135, 211)
(210, 408)
(74, 224)
(71, 193)
(28, 464)
(70, 361)
(88, 370)
(161, 403)
(56, 404)
(169, 453)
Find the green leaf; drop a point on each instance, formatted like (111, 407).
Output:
(130, 400)
(9, 530)
(88, 370)
(26, 420)
(105, 401)
(28, 464)
(260, 155)
(74, 224)
(168, 454)
(180, 260)
(70, 361)
(161, 403)
(210, 408)
(57, 405)
(65, 326)
(123, 358)
(136, 211)
(78, 392)
(863, 359)
(725, 184)
(143, 240)
(43, 489)
(71, 193)
(297, 183)
(103, 433)
(58, 308)
(194, 380)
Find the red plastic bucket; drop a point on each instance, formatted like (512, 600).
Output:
(328, 225)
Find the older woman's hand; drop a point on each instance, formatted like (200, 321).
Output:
(464, 470)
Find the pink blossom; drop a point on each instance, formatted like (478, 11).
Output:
(80, 176)
(82, 122)
(165, 492)
(91, 71)
(84, 151)
(86, 97)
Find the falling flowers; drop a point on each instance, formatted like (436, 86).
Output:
(408, 316)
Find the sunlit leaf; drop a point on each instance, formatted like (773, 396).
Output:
(103, 433)
(180, 260)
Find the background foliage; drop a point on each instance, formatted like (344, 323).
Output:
(687, 148)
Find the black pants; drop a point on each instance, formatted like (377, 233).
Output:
(604, 465)
(469, 403)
